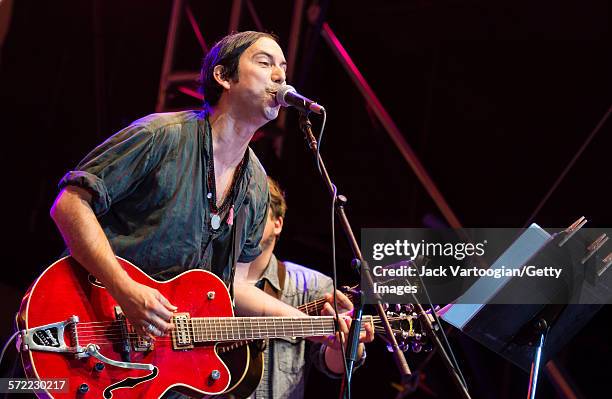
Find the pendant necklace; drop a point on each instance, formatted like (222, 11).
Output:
(217, 212)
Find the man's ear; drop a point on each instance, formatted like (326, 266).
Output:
(278, 225)
(219, 75)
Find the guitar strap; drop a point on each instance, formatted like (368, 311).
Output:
(282, 273)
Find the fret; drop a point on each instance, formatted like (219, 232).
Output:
(275, 329)
(244, 328)
(192, 330)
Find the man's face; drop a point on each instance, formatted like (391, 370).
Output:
(271, 230)
(261, 70)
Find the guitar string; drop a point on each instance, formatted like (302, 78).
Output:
(229, 327)
(226, 344)
(252, 332)
(235, 335)
(240, 319)
(214, 337)
(219, 336)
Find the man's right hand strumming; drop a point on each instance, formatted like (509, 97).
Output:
(145, 307)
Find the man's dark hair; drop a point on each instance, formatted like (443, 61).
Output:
(226, 52)
(278, 206)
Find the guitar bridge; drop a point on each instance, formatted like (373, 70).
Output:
(139, 344)
(51, 338)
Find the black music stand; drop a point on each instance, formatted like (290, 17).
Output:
(531, 334)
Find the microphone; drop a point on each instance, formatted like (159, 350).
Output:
(287, 96)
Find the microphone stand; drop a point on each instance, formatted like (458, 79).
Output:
(362, 267)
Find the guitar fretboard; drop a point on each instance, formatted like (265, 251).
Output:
(204, 329)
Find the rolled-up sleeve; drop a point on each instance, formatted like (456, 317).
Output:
(115, 168)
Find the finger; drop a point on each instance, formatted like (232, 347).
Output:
(150, 331)
(342, 338)
(166, 302)
(327, 310)
(343, 326)
(161, 310)
(369, 333)
(365, 337)
(161, 325)
(344, 302)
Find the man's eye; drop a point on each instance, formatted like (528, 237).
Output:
(266, 63)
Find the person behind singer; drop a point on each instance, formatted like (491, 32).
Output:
(287, 361)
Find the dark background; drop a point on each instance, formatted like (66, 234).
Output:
(496, 98)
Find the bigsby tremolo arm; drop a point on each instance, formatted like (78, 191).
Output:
(94, 350)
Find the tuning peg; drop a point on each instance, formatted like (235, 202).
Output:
(389, 348)
(416, 347)
(605, 264)
(594, 247)
(570, 231)
(398, 307)
(403, 346)
(408, 308)
(418, 336)
(385, 306)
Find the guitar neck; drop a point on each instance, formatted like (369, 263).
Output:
(313, 308)
(210, 329)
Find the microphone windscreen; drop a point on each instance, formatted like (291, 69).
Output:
(282, 91)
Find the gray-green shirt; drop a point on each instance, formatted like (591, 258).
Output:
(149, 193)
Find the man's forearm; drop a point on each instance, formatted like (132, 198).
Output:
(85, 238)
(251, 301)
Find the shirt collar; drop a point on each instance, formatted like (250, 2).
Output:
(271, 274)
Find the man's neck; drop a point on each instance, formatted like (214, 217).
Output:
(230, 136)
(259, 265)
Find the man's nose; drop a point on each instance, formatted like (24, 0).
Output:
(279, 76)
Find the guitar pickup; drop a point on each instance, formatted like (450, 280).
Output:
(182, 337)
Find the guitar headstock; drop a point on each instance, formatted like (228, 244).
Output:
(406, 326)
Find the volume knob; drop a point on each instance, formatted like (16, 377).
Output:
(215, 375)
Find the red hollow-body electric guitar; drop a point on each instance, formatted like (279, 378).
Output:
(72, 329)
